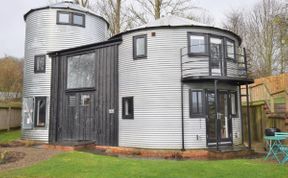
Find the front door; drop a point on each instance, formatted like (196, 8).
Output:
(219, 124)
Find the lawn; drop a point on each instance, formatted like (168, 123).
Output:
(85, 165)
(8, 136)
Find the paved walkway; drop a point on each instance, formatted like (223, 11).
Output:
(32, 156)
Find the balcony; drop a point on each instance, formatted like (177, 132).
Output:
(215, 65)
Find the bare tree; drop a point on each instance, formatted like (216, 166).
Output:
(83, 3)
(143, 11)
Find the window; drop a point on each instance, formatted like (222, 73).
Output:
(81, 71)
(140, 46)
(40, 112)
(233, 103)
(78, 19)
(230, 49)
(70, 18)
(196, 103)
(39, 64)
(197, 44)
(127, 108)
(85, 100)
(63, 18)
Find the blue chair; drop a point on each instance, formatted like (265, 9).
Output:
(283, 148)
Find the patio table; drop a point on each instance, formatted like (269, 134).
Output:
(275, 147)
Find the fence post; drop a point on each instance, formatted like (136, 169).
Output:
(8, 119)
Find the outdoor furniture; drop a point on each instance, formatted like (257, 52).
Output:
(277, 149)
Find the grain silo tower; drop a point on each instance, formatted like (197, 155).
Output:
(51, 28)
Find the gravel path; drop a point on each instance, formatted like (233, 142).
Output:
(32, 156)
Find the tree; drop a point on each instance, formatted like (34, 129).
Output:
(144, 11)
(262, 37)
(83, 3)
(11, 77)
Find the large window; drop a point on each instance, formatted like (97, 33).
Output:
(230, 49)
(140, 46)
(81, 71)
(127, 108)
(197, 44)
(40, 112)
(196, 103)
(39, 64)
(70, 18)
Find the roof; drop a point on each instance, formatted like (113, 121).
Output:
(172, 21)
(65, 5)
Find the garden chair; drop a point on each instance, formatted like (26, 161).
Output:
(283, 148)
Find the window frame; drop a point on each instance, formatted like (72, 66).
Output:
(236, 103)
(67, 90)
(200, 113)
(36, 119)
(79, 14)
(71, 18)
(206, 48)
(226, 49)
(130, 99)
(135, 56)
(63, 23)
(36, 71)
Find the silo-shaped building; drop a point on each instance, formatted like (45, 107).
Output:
(51, 28)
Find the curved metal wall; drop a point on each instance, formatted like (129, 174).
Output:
(43, 35)
(155, 84)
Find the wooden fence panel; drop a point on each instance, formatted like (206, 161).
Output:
(10, 118)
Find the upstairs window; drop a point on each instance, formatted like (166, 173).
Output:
(39, 64)
(230, 49)
(127, 108)
(197, 44)
(40, 112)
(140, 46)
(70, 18)
(81, 71)
(196, 103)
(78, 19)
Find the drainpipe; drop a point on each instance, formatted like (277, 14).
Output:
(182, 104)
(217, 115)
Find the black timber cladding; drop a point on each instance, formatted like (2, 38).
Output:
(97, 122)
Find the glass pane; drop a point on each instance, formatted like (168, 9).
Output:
(223, 114)
(41, 111)
(78, 19)
(233, 104)
(81, 71)
(40, 63)
(194, 103)
(197, 44)
(199, 102)
(126, 105)
(212, 116)
(230, 49)
(63, 18)
(140, 46)
(85, 100)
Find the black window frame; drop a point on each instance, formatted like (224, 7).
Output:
(78, 14)
(206, 45)
(199, 113)
(71, 18)
(135, 56)
(36, 71)
(36, 110)
(226, 49)
(130, 99)
(236, 103)
(58, 18)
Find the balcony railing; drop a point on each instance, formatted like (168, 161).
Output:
(214, 63)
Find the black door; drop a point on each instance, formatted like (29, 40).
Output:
(219, 122)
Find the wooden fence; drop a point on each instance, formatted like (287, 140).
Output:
(10, 117)
(268, 105)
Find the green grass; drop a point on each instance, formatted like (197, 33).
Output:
(85, 165)
(8, 136)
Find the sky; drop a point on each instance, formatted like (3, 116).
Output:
(12, 25)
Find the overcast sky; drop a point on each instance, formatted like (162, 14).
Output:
(12, 25)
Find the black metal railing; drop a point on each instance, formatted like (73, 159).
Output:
(214, 62)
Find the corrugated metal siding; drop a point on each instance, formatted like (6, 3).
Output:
(155, 84)
(43, 35)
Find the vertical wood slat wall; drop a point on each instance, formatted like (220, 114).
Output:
(95, 123)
